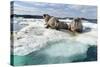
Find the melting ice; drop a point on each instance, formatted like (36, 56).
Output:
(54, 43)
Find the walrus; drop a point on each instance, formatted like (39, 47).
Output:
(46, 18)
(50, 21)
(76, 25)
(54, 23)
(62, 25)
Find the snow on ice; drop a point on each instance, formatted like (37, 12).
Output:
(35, 37)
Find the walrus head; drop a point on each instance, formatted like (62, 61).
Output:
(46, 17)
(77, 19)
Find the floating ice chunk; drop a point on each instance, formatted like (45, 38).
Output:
(65, 49)
(35, 37)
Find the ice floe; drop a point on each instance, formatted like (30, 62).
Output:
(35, 37)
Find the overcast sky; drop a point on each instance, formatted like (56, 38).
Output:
(59, 10)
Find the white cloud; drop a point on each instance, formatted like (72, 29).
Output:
(77, 7)
(61, 10)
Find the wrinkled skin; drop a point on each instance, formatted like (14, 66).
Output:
(76, 25)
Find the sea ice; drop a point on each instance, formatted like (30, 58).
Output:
(36, 37)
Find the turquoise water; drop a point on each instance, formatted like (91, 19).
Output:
(58, 53)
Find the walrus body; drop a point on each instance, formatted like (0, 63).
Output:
(62, 25)
(54, 23)
(76, 25)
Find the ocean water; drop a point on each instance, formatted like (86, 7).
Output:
(58, 52)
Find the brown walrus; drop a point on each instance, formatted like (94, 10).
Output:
(62, 25)
(50, 21)
(54, 23)
(76, 25)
